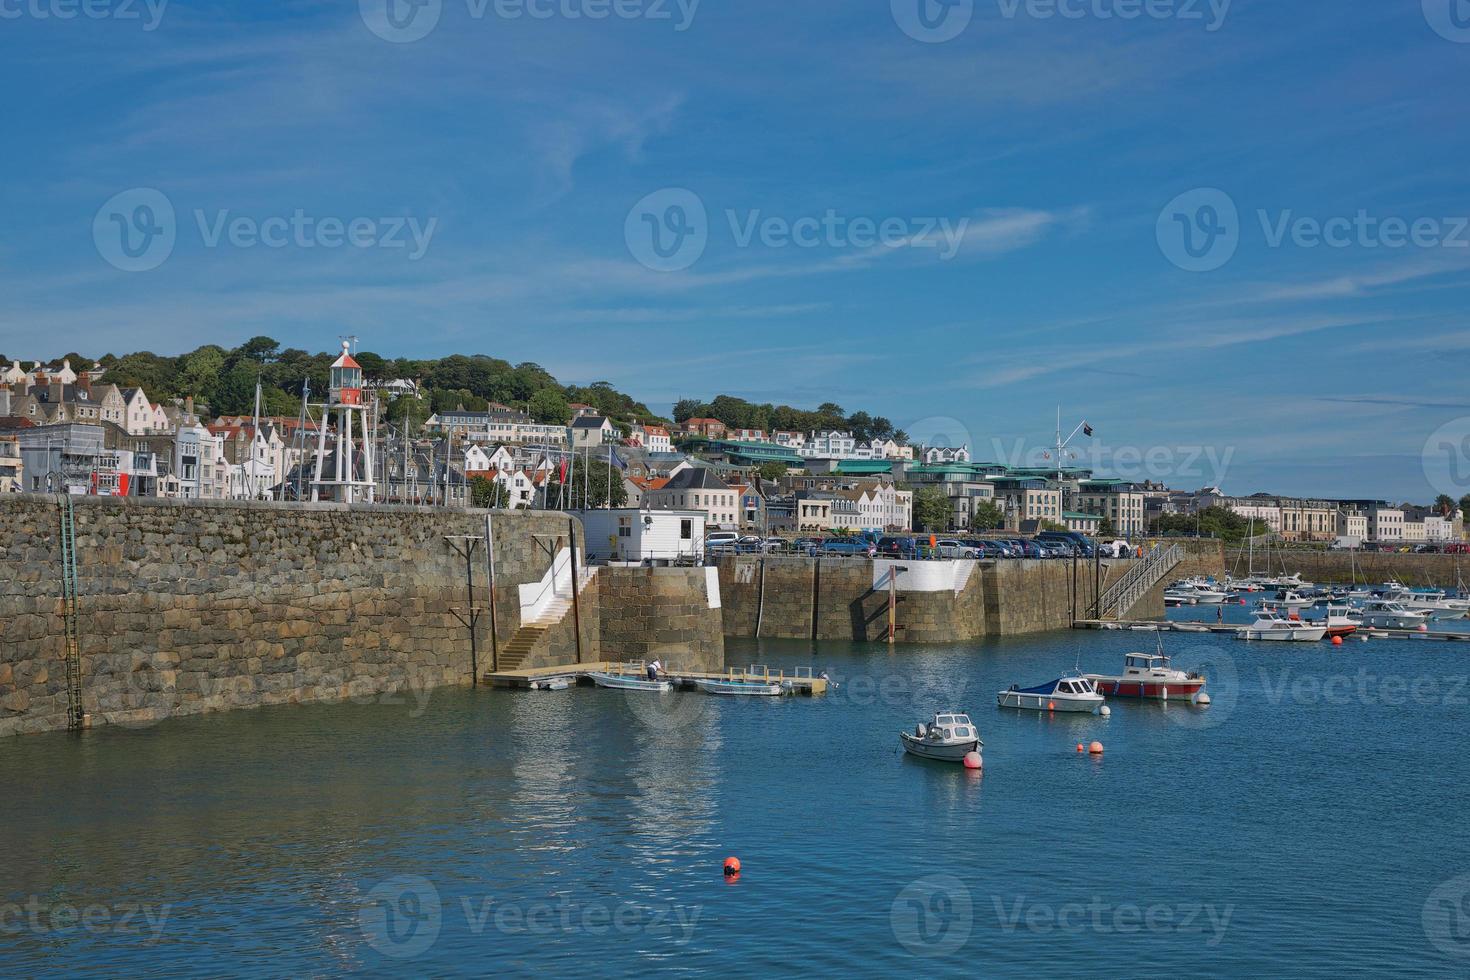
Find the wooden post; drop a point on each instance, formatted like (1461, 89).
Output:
(576, 605)
(892, 604)
(490, 573)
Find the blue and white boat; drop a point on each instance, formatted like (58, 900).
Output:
(1071, 693)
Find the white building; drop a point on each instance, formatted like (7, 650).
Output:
(882, 506)
(833, 445)
(644, 536)
(592, 431)
(1386, 524)
(939, 455)
(696, 488)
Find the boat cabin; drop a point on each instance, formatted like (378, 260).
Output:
(1145, 663)
(950, 726)
(1077, 685)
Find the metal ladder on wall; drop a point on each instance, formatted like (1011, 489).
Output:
(69, 612)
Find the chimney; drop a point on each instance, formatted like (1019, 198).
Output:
(189, 405)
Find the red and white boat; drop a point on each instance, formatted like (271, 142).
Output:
(1149, 676)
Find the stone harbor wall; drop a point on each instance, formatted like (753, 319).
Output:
(670, 614)
(201, 606)
(1345, 567)
(936, 602)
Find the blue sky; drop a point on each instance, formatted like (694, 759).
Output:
(1035, 175)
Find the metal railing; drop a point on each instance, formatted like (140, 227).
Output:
(1141, 577)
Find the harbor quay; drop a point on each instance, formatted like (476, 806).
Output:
(131, 610)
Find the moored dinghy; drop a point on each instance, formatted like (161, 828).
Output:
(630, 682)
(741, 688)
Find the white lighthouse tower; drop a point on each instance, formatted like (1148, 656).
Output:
(350, 483)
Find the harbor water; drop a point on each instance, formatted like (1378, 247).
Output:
(1310, 822)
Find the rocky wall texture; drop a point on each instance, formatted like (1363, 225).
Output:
(187, 607)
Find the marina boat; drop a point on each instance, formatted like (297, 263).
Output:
(1268, 627)
(1387, 614)
(1073, 693)
(948, 737)
(1436, 604)
(1204, 592)
(552, 684)
(1149, 676)
(748, 689)
(630, 682)
(1180, 597)
(1291, 599)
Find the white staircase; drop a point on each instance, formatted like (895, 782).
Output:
(1135, 584)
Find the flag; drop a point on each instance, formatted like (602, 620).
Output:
(562, 474)
(1086, 429)
(617, 460)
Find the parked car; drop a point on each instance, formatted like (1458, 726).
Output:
(721, 543)
(898, 547)
(1054, 548)
(954, 548)
(775, 546)
(1086, 547)
(844, 546)
(1002, 549)
(1028, 548)
(1115, 549)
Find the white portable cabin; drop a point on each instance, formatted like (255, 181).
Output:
(659, 537)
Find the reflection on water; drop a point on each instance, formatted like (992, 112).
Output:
(519, 832)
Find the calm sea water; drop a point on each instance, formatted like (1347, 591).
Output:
(1310, 823)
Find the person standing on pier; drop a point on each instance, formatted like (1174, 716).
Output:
(653, 670)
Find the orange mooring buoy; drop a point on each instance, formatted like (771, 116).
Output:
(1095, 748)
(1337, 641)
(1080, 747)
(732, 867)
(1051, 706)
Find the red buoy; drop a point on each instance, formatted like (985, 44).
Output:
(973, 761)
(1337, 641)
(732, 867)
(1081, 747)
(1095, 748)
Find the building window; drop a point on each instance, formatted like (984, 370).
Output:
(686, 530)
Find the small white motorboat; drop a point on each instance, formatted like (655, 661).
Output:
(949, 737)
(1180, 597)
(740, 688)
(630, 682)
(1072, 693)
(1291, 599)
(552, 684)
(1268, 627)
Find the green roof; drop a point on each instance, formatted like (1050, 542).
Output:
(1073, 515)
(856, 466)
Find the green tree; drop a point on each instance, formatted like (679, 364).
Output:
(261, 350)
(1105, 528)
(550, 406)
(488, 493)
(688, 408)
(1465, 508)
(772, 471)
(931, 509)
(987, 516)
